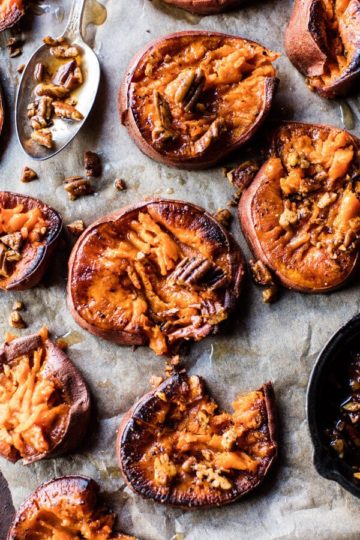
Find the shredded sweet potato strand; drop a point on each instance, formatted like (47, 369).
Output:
(29, 223)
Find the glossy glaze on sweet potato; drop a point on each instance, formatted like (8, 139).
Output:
(205, 7)
(44, 401)
(301, 214)
(322, 40)
(11, 12)
(64, 508)
(176, 446)
(157, 273)
(190, 98)
(29, 230)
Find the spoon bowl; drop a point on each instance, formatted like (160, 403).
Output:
(63, 131)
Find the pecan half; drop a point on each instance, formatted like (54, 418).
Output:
(163, 130)
(211, 135)
(191, 85)
(77, 186)
(64, 110)
(39, 72)
(92, 164)
(196, 271)
(64, 72)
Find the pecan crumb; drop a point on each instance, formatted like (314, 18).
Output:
(120, 184)
(224, 217)
(155, 381)
(21, 68)
(16, 320)
(18, 305)
(92, 164)
(242, 175)
(77, 186)
(270, 294)
(172, 365)
(28, 175)
(14, 46)
(76, 227)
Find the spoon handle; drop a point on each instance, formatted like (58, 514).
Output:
(73, 27)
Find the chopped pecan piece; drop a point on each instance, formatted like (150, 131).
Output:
(76, 227)
(210, 136)
(260, 273)
(242, 176)
(18, 305)
(120, 184)
(64, 110)
(64, 51)
(16, 320)
(224, 217)
(50, 90)
(20, 68)
(13, 240)
(92, 164)
(28, 175)
(43, 137)
(54, 42)
(77, 186)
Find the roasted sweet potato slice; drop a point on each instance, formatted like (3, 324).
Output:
(204, 7)
(301, 214)
(190, 98)
(158, 273)
(322, 40)
(11, 12)
(44, 401)
(29, 230)
(7, 510)
(177, 447)
(65, 508)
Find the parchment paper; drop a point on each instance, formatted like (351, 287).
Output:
(278, 342)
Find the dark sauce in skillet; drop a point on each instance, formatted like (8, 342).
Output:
(343, 419)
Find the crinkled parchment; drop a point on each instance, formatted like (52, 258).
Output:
(278, 342)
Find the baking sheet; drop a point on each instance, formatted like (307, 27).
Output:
(278, 342)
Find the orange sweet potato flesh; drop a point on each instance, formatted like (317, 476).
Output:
(11, 12)
(44, 402)
(29, 231)
(205, 7)
(66, 508)
(191, 98)
(301, 214)
(156, 273)
(177, 447)
(322, 40)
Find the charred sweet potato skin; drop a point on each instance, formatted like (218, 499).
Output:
(185, 146)
(310, 47)
(298, 261)
(35, 256)
(142, 425)
(7, 510)
(68, 380)
(205, 7)
(11, 12)
(185, 228)
(79, 496)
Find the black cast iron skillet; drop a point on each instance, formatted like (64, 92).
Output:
(323, 395)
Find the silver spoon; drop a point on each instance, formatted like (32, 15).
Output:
(63, 130)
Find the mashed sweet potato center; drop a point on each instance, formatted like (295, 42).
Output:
(342, 20)
(147, 280)
(70, 518)
(195, 92)
(31, 407)
(311, 219)
(195, 443)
